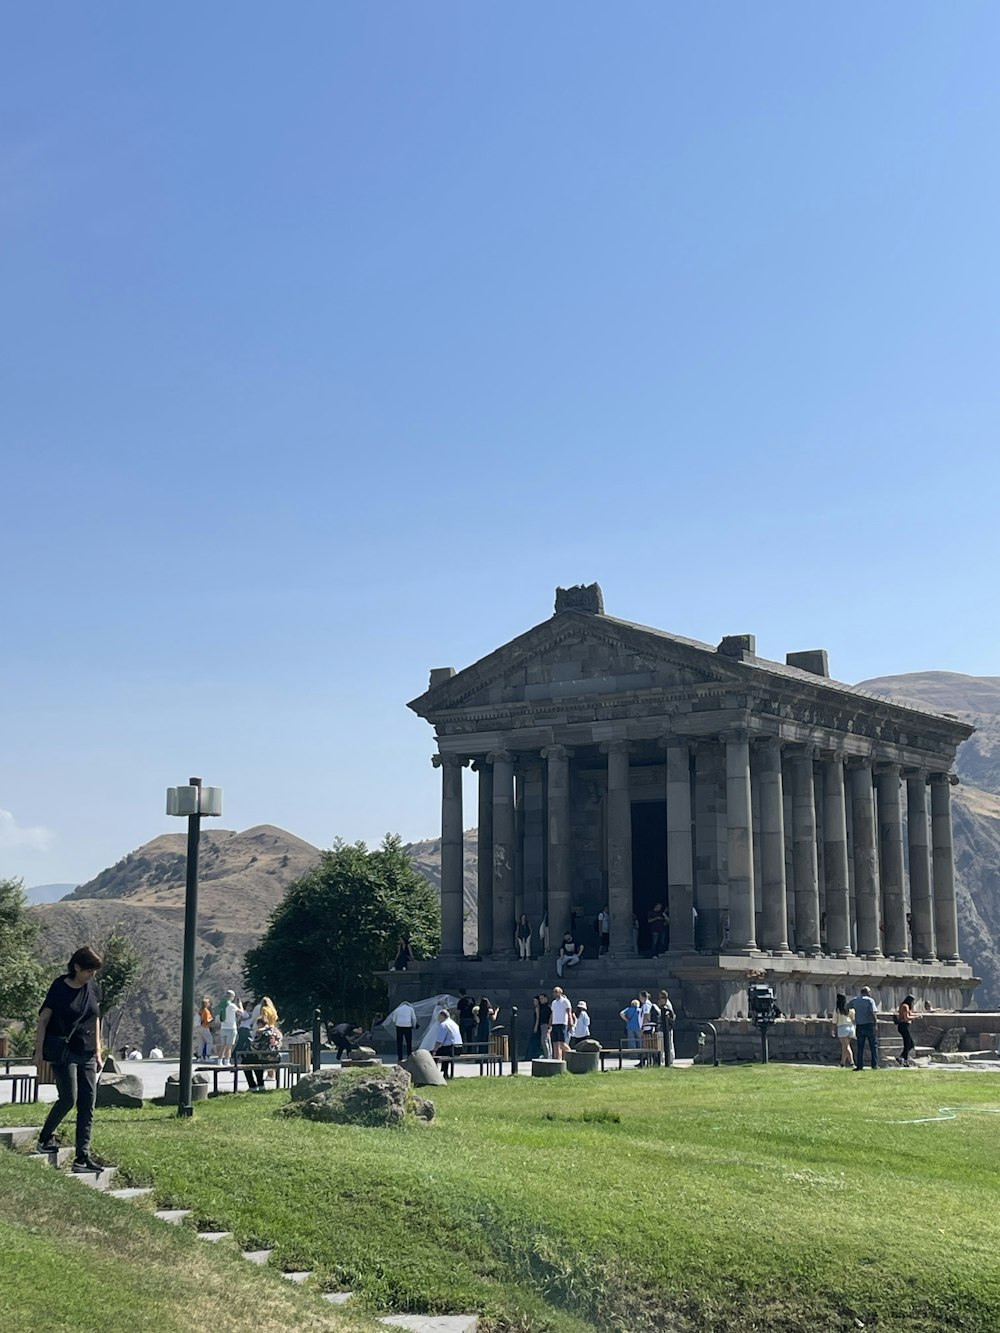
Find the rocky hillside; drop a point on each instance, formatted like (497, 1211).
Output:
(976, 804)
(242, 878)
(426, 857)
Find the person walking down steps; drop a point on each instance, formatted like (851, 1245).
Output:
(68, 1036)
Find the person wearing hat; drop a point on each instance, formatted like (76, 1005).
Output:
(581, 1023)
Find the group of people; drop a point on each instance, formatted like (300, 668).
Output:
(239, 1035)
(855, 1022)
(657, 927)
(556, 1025)
(644, 1016)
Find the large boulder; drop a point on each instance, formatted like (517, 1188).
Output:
(111, 1066)
(373, 1097)
(588, 1046)
(313, 1083)
(120, 1090)
(363, 1055)
(424, 1070)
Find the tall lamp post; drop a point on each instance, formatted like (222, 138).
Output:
(194, 801)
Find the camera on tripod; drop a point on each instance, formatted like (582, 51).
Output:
(762, 1006)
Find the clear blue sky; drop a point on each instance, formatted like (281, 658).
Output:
(336, 335)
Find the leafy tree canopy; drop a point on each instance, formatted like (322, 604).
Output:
(22, 979)
(337, 926)
(118, 977)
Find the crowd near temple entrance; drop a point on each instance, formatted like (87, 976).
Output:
(777, 818)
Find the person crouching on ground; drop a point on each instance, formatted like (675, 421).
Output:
(447, 1041)
(68, 1036)
(561, 1013)
(344, 1037)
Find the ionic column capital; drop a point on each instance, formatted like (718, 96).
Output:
(556, 752)
(950, 778)
(449, 760)
(884, 767)
(500, 757)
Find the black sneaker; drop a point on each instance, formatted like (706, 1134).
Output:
(84, 1164)
(47, 1146)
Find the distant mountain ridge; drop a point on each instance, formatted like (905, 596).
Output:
(48, 893)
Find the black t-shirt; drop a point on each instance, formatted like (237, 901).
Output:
(465, 1007)
(544, 1015)
(68, 1004)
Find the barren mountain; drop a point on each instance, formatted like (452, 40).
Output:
(976, 805)
(243, 876)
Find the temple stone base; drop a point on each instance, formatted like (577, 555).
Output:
(700, 986)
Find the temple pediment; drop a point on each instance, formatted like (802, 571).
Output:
(576, 655)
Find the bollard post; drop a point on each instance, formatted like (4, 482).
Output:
(513, 1039)
(317, 1045)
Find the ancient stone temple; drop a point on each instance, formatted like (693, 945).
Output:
(790, 824)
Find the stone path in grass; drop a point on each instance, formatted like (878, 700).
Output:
(23, 1137)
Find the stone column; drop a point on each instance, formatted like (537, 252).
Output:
(619, 817)
(484, 858)
(739, 823)
(557, 757)
(680, 853)
(918, 843)
(452, 854)
(865, 860)
(945, 912)
(773, 887)
(890, 838)
(805, 871)
(838, 892)
(503, 852)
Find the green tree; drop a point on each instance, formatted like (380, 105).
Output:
(117, 979)
(22, 979)
(337, 926)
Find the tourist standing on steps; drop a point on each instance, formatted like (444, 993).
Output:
(405, 1018)
(68, 1036)
(866, 1025)
(570, 953)
(581, 1023)
(466, 1017)
(447, 1041)
(561, 1012)
(904, 1017)
(603, 930)
(545, 1026)
(843, 1028)
(658, 926)
(522, 938)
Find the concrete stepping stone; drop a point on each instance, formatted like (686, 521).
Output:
(433, 1323)
(337, 1297)
(175, 1216)
(214, 1235)
(61, 1157)
(297, 1275)
(15, 1136)
(257, 1256)
(128, 1193)
(98, 1180)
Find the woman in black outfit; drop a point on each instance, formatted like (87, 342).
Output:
(68, 1036)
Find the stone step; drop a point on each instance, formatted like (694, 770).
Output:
(175, 1216)
(128, 1193)
(298, 1275)
(214, 1235)
(17, 1136)
(97, 1180)
(257, 1256)
(337, 1297)
(61, 1157)
(433, 1323)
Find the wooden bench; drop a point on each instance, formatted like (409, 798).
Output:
(23, 1086)
(650, 1051)
(286, 1075)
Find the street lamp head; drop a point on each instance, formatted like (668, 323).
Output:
(194, 800)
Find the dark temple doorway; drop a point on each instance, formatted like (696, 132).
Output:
(649, 862)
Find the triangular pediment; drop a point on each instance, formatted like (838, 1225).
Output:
(576, 655)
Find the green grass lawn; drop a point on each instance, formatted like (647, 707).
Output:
(743, 1198)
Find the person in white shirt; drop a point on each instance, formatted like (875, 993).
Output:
(561, 1012)
(156, 1053)
(581, 1024)
(447, 1041)
(404, 1016)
